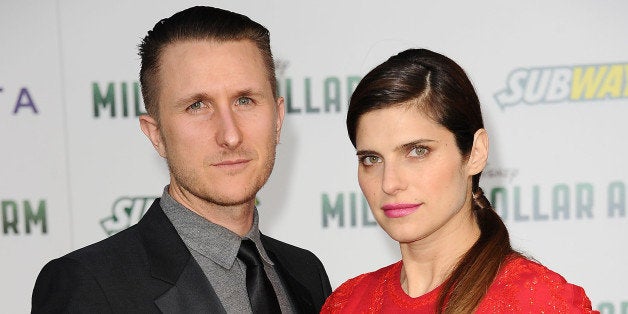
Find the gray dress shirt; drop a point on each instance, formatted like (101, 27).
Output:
(215, 249)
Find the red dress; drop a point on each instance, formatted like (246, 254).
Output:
(521, 286)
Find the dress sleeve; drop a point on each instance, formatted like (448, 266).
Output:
(524, 286)
(580, 301)
(549, 292)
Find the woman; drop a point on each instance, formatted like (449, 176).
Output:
(416, 123)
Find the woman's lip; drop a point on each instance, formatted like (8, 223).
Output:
(399, 206)
(399, 210)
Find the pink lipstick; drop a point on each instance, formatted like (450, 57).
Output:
(399, 210)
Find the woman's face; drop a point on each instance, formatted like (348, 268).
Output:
(413, 175)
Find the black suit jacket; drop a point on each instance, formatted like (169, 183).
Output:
(148, 269)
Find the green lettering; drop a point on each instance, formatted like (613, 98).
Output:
(337, 210)
(536, 207)
(499, 199)
(7, 222)
(308, 97)
(35, 218)
(125, 103)
(332, 93)
(606, 308)
(560, 201)
(137, 99)
(352, 83)
(104, 102)
(353, 206)
(616, 199)
(584, 200)
(288, 97)
(366, 214)
(517, 200)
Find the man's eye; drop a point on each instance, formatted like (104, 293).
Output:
(196, 106)
(243, 101)
(369, 160)
(418, 151)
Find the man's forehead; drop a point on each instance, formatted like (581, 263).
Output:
(203, 66)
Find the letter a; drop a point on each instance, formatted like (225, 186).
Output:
(24, 100)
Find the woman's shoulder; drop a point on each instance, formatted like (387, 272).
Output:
(524, 284)
(359, 287)
(518, 268)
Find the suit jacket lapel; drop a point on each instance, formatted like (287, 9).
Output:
(191, 294)
(299, 294)
(170, 261)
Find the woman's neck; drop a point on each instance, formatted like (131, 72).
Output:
(428, 262)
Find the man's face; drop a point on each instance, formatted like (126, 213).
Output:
(219, 123)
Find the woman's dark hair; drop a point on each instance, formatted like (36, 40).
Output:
(442, 91)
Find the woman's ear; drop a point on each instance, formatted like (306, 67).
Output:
(479, 152)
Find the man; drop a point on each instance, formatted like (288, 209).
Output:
(208, 84)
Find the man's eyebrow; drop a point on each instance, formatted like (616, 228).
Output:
(249, 91)
(186, 100)
(203, 96)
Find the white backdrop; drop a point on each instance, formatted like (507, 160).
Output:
(552, 78)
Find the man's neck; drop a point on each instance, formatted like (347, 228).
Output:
(237, 218)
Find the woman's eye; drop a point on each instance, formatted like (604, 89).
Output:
(369, 160)
(418, 151)
(243, 101)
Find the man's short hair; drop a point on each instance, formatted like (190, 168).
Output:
(198, 23)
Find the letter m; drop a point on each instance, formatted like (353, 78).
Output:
(337, 210)
(32, 217)
(104, 102)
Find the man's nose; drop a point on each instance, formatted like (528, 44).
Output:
(229, 134)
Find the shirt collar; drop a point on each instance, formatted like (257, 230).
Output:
(207, 238)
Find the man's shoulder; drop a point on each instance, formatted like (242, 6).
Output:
(124, 242)
(99, 259)
(110, 275)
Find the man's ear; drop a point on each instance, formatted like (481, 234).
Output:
(479, 152)
(281, 112)
(150, 127)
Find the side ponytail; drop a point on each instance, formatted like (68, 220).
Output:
(468, 283)
(480, 201)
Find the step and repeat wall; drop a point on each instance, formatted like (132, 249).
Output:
(552, 78)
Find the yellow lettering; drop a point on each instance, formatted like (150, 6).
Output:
(612, 83)
(626, 81)
(587, 81)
